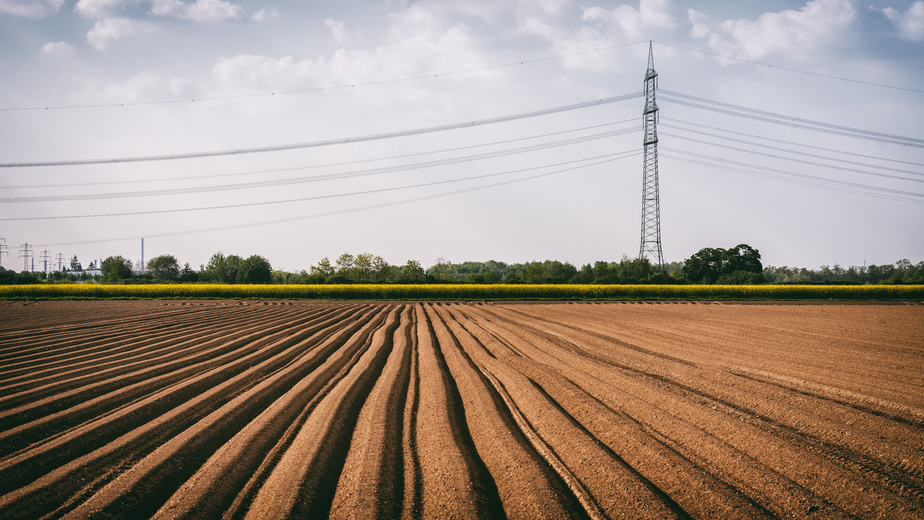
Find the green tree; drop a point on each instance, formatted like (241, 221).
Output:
(345, 266)
(116, 269)
(413, 272)
(187, 275)
(324, 268)
(740, 264)
(164, 267)
(441, 272)
(255, 269)
(221, 268)
(363, 267)
(75, 264)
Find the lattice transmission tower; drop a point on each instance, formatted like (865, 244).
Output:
(651, 205)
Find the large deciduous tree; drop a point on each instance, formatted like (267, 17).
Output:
(116, 269)
(738, 265)
(164, 267)
(255, 269)
(222, 268)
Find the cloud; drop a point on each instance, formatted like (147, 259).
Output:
(31, 8)
(341, 35)
(58, 49)
(819, 23)
(910, 25)
(263, 14)
(99, 8)
(199, 11)
(109, 30)
(634, 23)
(145, 86)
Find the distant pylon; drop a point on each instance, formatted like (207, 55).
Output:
(25, 252)
(46, 256)
(651, 205)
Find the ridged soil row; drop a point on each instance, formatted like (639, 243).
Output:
(65, 317)
(49, 448)
(303, 483)
(444, 474)
(371, 484)
(131, 379)
(228, 481)
(893, 462)
(527, 485)
(842, 488)
(869, 342)
(53, 334)
(71, 350)
(94, 355)
(605, 485)
(172, 443)
(704, 476)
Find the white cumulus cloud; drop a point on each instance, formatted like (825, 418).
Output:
(818, 24)
(58, 49)
(99, 8)
(31, 8)
(199, 11)
(146, 86)
(104, 32)
(632, 22)
(263, 14)
(910, 24)
(340, 33)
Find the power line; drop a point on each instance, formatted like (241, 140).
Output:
(323, 89)
(331, 213)
(313, 166)
(793, 159)
(786, 177)
(790, 69)
(318, 178)
(619, 155)
(328, 142)
(772, 117)
(800, 175)
(782, 141)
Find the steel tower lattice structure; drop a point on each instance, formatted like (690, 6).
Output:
(651, 207)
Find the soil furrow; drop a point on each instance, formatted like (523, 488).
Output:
(303, 484)
(228, 480)
(69, 444)
(518, 470)
(242, 409)
(126, 451)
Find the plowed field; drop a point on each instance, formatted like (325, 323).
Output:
(400, 410)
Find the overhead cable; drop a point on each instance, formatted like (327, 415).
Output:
(803, 161)
(308, 167)
(317, 178)
(772, 117)
(780, 141)
(800, 175)
(329, 142)
(329, 213)
(789, 69)
(323, 89)
(785, 177)
(619, 155)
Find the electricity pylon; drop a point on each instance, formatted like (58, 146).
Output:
(651, 205)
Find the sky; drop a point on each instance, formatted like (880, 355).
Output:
(479, 130)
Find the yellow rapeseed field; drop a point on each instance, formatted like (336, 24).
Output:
(466, 292)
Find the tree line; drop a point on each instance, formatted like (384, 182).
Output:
(740, 264)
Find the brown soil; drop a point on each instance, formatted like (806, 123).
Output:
(384, 410)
